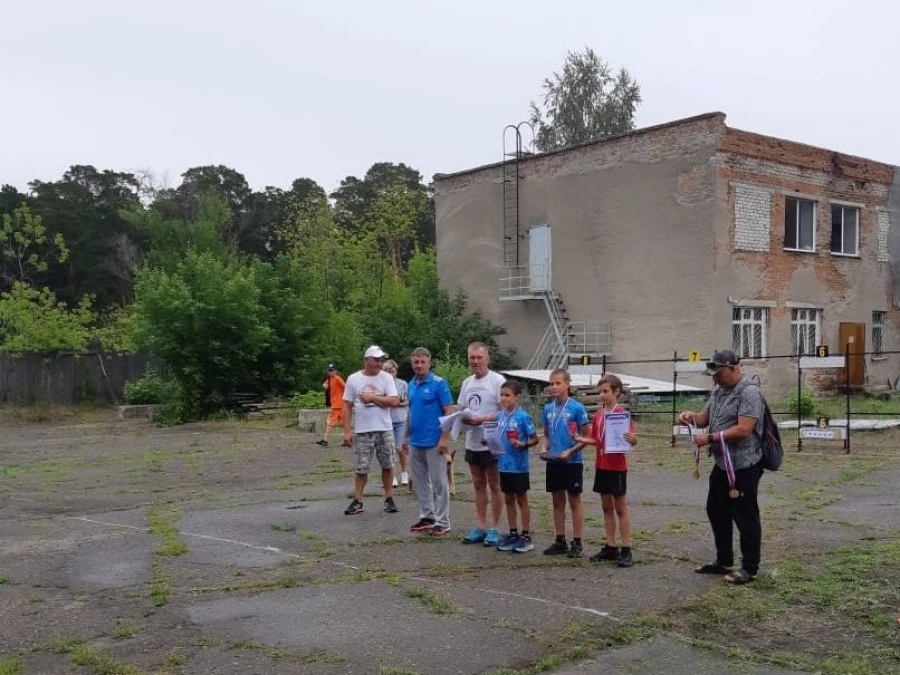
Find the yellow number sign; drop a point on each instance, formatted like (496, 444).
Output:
(693, 356)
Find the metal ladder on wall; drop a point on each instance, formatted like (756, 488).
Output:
(513, 151)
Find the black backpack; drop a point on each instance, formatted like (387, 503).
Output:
(772, 449)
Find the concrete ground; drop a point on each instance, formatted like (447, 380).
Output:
(223, 548)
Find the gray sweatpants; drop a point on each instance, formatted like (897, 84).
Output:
(428, 469)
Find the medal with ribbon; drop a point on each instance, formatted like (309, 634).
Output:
(692, 432)
(725, 453)
(557, 415)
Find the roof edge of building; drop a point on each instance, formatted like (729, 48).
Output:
(608, 139)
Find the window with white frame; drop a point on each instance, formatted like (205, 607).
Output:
(749, 326)
(844, 230)
(877, 333)
(806, 327)
(799, 224)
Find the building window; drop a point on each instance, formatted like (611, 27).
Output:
(844, 230)
(877, 333)
(799, 224)
(806, 327)
(749, 327)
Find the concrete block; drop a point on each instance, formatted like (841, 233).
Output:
(136, 412)
(312, 421)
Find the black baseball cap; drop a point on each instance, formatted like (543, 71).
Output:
(720, 359)
(331, 366)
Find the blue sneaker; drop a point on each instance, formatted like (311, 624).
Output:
(523, 545)
(492, 538)
(508, 543)
(475, 536)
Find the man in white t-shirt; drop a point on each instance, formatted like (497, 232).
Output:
(480, 393)
(369, 396)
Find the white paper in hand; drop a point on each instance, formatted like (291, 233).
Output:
(453, 422)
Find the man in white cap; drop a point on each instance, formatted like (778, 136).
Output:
(368, 396)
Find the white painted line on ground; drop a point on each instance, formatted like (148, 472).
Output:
(278, 551)
(267, 549)
(586, 610)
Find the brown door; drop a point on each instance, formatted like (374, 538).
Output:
(853, 340)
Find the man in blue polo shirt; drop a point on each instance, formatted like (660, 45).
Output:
(429, 398)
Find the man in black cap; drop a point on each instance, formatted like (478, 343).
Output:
(734, 417)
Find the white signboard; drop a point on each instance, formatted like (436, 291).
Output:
(826, 362)
(823, 434)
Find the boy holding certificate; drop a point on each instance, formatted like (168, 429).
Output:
(563, 420)
(613, 435)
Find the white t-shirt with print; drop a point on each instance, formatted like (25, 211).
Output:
(482, 397)
(368, 416)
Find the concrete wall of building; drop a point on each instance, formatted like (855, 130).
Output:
(632, 237)
(756, 173)
(664, 230)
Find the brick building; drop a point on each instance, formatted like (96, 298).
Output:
(685, 236)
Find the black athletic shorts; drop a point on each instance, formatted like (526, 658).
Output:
(514, 483)
(565, 476)
(613, 483)
(483, 459)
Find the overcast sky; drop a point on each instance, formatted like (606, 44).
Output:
(279, 89)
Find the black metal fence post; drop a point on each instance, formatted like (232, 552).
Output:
(674, 394)
(799, 392)
(847, 390)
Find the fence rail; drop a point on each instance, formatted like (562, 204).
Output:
(842, 432)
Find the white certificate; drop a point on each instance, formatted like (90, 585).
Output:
(615, 426)
(493, 439)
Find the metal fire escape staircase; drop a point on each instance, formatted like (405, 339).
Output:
(563, 338)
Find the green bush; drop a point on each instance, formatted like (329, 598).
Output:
(804, 404)
(452, 370)
(150, 389)
(309, 401)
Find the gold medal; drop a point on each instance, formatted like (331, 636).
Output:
(733, 493)
(696, 473)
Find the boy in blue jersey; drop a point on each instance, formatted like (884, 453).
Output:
(563, 420)
(517, 433)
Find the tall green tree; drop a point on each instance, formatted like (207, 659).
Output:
(355, 198)
(26, 249)
(225, 326)
(584, 102)
(85, 207)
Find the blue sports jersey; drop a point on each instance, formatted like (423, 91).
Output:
(562, 422)
(518, 422)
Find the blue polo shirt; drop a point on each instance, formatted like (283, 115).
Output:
(426, 404)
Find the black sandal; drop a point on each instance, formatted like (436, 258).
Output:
(713, 568)
(739, 577)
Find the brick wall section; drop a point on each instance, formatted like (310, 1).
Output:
(752, 218)
(884, 225)
(783, 168)
(794, 154)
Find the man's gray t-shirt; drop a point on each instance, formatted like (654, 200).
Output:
(723, 409)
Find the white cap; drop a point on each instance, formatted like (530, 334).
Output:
(375, 352)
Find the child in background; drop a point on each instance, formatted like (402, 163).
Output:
(564, 419)
(610, 479)
(517, 434)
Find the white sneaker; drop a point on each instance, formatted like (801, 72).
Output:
(404, 478)
(396, 484)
